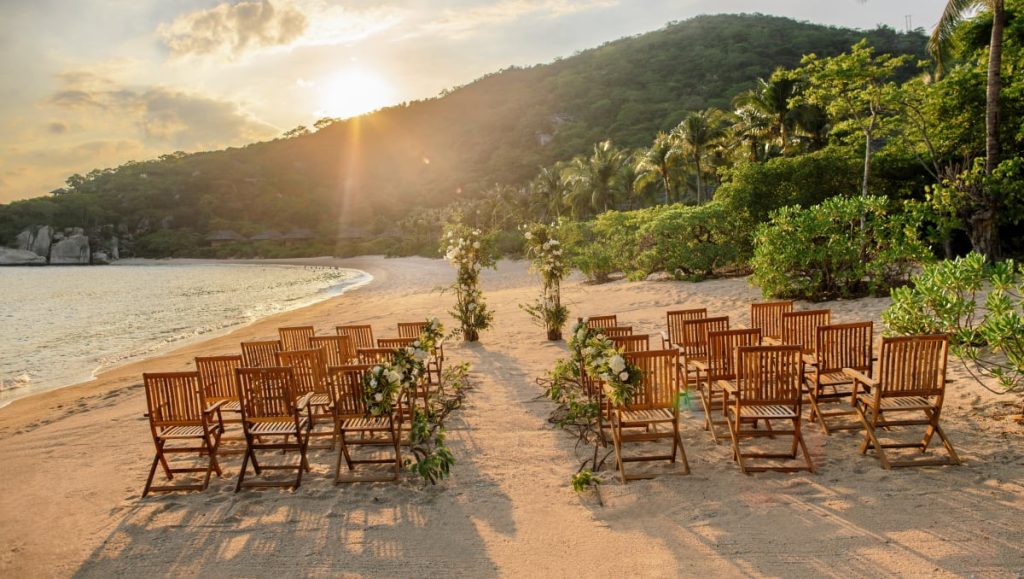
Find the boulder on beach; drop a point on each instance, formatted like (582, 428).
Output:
(72, 250)
(9, 256)
(37, 240)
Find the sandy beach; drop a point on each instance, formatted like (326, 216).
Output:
(73, 463)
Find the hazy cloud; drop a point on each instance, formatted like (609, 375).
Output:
(56, 127)
(233, 29)
(465, 20)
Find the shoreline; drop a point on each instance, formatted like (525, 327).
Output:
(332, 292)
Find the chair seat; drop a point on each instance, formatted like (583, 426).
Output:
(366, 423)
(181, 432)
(270, 427)
(899, 402)
(832, 379)
(320, 400)
(766, 411)
(649, 415)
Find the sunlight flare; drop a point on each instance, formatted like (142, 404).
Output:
(352, 92)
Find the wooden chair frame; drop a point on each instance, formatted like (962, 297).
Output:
(655, 405)
(260, 353)
(911, 379)
(674, 322)
(603, 321)
(338, 350)
(351, 418)
(410, 329)
(178, 412)
(361, 334)
(800, 328)
(767, 317)
(616, 331)
(435, 364)
(309, 369)
(695, 346)
(375, 355)
(220, 384)
(272, 410)
(837, 347)
(768, 387)
(296, 337)
(632, 343)
(720, 366)
(395, 343)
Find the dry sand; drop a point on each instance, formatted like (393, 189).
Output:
(73, 463)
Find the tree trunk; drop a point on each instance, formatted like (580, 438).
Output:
(868, 134)
(668, 187)
(699, 183)
(995, 58)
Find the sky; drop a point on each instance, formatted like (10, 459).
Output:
(88, 84)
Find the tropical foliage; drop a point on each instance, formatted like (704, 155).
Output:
(468, 251)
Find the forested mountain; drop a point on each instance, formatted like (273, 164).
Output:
(498, 129)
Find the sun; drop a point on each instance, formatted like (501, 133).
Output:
(352, 92)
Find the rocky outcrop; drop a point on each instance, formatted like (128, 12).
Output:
(10, 256)
(36, 240)
(72, 250)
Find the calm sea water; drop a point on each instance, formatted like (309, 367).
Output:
(60, 325)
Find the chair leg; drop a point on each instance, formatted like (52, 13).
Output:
(870, 438)
(163, 460)
(816, 411)
(803, 445)
(152, 472)
(734, 427)
(946, 443)
(617, 442)
(245, 464)
(677, 439)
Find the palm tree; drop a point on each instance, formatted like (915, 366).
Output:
(699, 133)
(771, 99)
(546, 192)
(659, 161)
(630, 188)
(752, 133)
(591, 180)
(982, 222)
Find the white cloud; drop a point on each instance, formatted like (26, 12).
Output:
(233, 29)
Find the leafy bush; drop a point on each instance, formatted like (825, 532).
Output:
(824, 253)
(168, 243)
(943, 299)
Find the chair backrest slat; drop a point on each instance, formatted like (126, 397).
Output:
(769, 375)
(722, 348)
(394, 343)
(841, 346)
(267, 393)
(362, 335)
(260, 354)
(296, 338)
(632, 342)
(913, 366)
(346, 383)
(375, 355)
(659, 386)
(308, 368)
(338, 350)
(675, 320)
(615, 331)
(597, 322)
(767, 317)
(801, 328)
(174, 398)
(695, 334)
(217, 376)
(411, 329)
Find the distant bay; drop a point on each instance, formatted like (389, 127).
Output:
(62, 325)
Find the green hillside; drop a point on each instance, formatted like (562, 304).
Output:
(374, 169)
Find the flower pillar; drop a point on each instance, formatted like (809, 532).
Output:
(545, 252)
(465, 249)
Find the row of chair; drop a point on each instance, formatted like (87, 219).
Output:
(278, 391)
(751, 376)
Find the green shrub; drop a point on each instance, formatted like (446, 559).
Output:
(692, 242)
(509, 243)
(943, 299)
(823, 252)
(167, 243)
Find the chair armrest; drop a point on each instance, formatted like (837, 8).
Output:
(860, 377)
(810, 359)
(215, 407)
(665, 344)
(303, 402)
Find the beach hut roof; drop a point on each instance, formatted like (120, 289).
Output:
(265, 235)
(300, 234)
(224, 235)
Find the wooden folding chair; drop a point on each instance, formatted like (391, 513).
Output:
(272, 416)
(410, 329)
(674, 337)
(838, 346)
(375, 355)
(720, 365)
(695, 345)
(655, 408)
(310, 376)
(767, 317)
(768, 387)
(220, 384)
(911, 379)
(296, 337)
(395, 343)
(598, 322)
(616, 331)
(260, 354)
(338, 350)
(632, 342)
(178, 412)
(362, 335)
(350, 415)
(801, 328)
